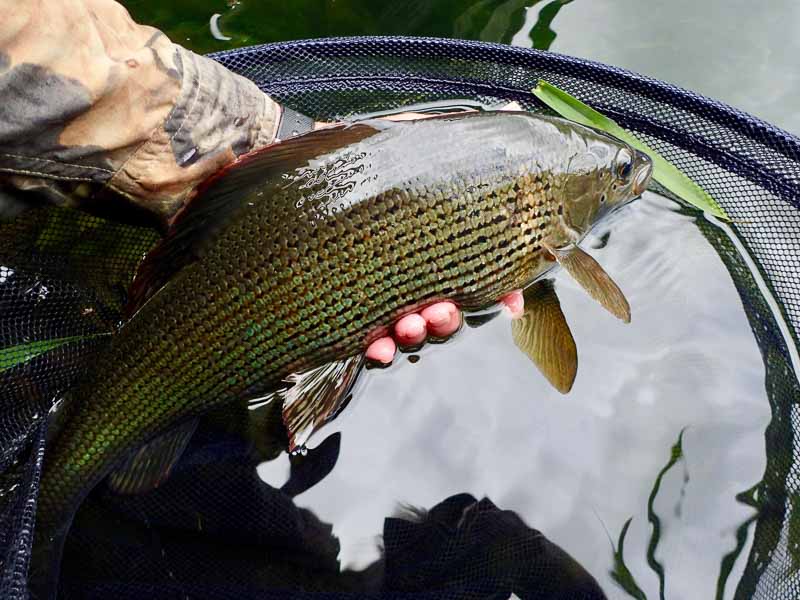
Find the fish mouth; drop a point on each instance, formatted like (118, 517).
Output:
(643, 169)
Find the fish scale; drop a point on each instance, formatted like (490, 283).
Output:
(452, 208)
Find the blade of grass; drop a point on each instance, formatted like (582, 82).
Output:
(664, 172)
(16, 355)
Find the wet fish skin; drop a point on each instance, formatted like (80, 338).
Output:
(308, 251)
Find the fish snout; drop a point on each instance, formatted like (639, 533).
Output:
(642, 173)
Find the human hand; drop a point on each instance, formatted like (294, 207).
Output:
(440, 320)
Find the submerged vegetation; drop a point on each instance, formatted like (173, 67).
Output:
(248, 22)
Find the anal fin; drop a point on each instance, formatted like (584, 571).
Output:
(317, 397)
(591, 277)
(151, 464)
(543, 335)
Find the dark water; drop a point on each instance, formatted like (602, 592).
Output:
(248, 22)
(475, 416)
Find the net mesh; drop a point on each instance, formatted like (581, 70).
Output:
(61, 262)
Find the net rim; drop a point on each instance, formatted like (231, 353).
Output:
(751, 126)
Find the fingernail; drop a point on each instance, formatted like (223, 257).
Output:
(438, 314)
(382, 350)
(413, 327)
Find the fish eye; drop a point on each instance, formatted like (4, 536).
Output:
(624, 164)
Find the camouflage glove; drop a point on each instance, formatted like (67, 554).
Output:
(93, 102)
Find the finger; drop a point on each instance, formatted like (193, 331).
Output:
(439, 314)
(382, 350)
(410, 330)
(515, 303)
(443, 319)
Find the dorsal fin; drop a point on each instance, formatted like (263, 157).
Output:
(220, 197)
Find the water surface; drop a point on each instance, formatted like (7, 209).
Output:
(477, 416)
(742, 53)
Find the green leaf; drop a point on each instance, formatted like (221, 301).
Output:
(664, 172)
(542, 34)
(16, 355)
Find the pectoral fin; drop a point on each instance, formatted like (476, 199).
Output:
(543, 334)
(592, 278)
(151, 465)
(317, 397)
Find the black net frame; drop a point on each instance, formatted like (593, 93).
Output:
(750, 167)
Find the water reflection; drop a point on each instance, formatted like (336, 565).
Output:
(578, 465)
(537, 29)
(731, 51)
(216, 530)
(775, 553)
(700, 46)
(201, 26)
(478, 417)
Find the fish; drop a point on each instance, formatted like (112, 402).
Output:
(273, 281)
